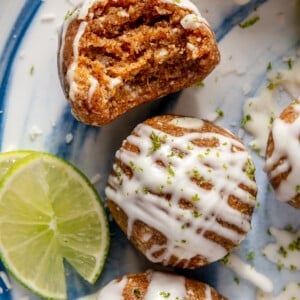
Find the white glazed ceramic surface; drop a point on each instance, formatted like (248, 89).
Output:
(35, 115)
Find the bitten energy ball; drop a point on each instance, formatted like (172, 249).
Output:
(282, 155)
(152, 285)
(117, 54)
(183, 190)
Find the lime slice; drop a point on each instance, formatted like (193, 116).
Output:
(50, 212)
(7, 159)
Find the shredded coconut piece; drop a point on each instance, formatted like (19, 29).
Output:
(96, 178)
(35, 132)
(69, 138)
(49, 17)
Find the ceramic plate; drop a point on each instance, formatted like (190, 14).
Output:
(254, 36)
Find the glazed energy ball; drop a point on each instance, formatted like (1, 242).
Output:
(282, 155)
(152, 285)
(183, 190)
(117, 54)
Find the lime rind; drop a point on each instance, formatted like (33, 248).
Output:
(86, 250)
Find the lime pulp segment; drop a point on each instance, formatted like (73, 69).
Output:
(50, 212)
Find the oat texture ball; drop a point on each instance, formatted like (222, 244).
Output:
(183, 190)
(117, 54)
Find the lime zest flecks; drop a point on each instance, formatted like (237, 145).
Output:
(249, 22)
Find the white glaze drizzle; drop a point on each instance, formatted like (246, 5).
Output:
(113, 82)
(165, 284)
(113, 290)
(266, 105)
(93, 86)
(286, 251)
(161, 286)
(186, 122)
(73, 66)
(260, 110)
(208, 295)
(287, 145)
(217, 165)
(190, 21)
(63, 40)
(247, 272)
(290, 292)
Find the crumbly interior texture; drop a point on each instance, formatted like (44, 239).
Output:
(137, 51)
(140, 229)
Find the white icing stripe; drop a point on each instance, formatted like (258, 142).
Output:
(162, 285)
(183, 3)
(290, 292)
(114, 290)
(219, 166)
(93, 86)
(85, 8)
(249, 273)
(63, 40)
(73, 66)
(191, 21)
(287, 146)
(186, 122)
(285, 252)
(208, 295)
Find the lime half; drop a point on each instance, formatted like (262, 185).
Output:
(50, 212)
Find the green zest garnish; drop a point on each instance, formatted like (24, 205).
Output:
(246, 119)
(282, 251)
(68, 15)
(271, 86)
(224, 260)
(137, 293)
(200, 84)
(269, 67)
(134, 167)
(165, 294)
(220, 112)
(196, 214)
(31, 71)
(250, 169)
(249, 22)
(295, 245)
(236, 280)
(171, 171)
(297, 188)
(289, 228)
(250, 256)
(290, 63)
(279, 266)
(196, 197)
(156, 142)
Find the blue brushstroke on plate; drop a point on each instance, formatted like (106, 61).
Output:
(7, 59)
(11, 47)
(237, 17)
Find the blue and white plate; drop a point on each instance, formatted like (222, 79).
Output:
(35, 115)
